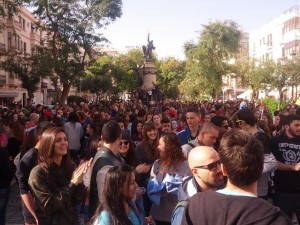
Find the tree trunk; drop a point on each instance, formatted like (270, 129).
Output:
(280, 99)
(65, 93)
(29, 99)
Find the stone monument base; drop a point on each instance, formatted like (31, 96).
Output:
(149, 76)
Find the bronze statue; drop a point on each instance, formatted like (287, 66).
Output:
(148, 50)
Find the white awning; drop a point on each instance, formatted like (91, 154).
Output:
(8, 94)
(247, 94)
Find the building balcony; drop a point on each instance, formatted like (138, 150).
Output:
(35, 37)
(2, 80)
(12, 82)
(13, 23)
(2, 48)
(14, 49)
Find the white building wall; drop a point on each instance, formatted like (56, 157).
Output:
(285, 39)
(261, 49)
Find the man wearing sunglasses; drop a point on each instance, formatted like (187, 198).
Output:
(207, 176)
(241, 156)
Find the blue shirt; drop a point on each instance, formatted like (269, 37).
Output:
(104, 218)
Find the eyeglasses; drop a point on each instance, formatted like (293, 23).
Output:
(238, 121)
(124, 142)
(211, 167)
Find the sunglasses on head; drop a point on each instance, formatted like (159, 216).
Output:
(211, 167)
(124, 142)
(238, 121)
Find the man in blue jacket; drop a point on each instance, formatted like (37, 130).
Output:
(191, 131)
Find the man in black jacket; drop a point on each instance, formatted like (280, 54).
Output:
(26, 164)
(203, 179)
(246, 121)
(242, 158)
(286, 149)
(107, 156)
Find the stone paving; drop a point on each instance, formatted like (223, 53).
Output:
(14, 208)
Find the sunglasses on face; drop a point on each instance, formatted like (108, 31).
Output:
(211, 167)
(124, 142)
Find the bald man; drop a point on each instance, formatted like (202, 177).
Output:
(207, 175)
(207, 136)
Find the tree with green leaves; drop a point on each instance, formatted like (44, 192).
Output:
(98, 79)
(293, 70)
(209, 59)
(251, 74)
(171, 73)
(8, 8)
(29, 69)
(118, 74)
(278, 76)
(71, 27)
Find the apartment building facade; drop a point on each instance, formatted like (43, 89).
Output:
(21, 35)
(277, 40)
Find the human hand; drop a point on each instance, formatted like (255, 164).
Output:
(80, 171)
(297, 166)
(140, 192)
(150, 220)
(2, 144)
(142, 168)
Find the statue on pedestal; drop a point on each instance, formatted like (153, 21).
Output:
(148, 49)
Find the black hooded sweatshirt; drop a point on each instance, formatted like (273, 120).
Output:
(212, 208)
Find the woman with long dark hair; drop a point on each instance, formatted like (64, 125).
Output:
(146, 152)
(74, 133)
(127, 152)
(116, 205)
(138, 136)
(55, 183)
(171, 166)
(14, 131)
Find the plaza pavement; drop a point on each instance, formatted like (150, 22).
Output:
(14, 208)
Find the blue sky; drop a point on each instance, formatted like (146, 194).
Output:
(173, 22)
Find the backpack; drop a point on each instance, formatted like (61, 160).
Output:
(178, 212)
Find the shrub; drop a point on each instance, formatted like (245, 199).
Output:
(272, 105)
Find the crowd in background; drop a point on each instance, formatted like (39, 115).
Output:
(155, 142)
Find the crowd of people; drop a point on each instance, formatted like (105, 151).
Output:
(166, 163)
